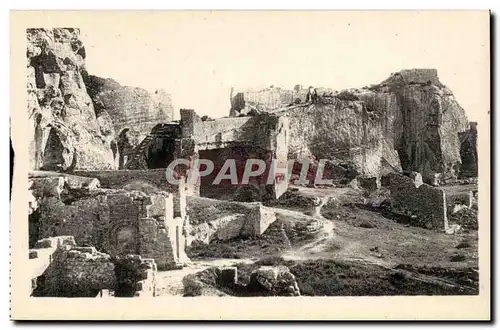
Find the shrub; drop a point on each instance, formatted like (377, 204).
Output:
(457, 257)
(463, 245)
(347, 96)
(192, 286)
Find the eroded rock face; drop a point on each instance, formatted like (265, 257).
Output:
(410, 122)
(134, 111)
(65, 130)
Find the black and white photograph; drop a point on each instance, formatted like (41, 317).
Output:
(259, 154)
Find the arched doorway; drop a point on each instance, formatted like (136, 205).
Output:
(124, 238)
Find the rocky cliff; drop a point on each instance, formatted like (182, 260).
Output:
(410, 121)
(133, 110)
(65, 131)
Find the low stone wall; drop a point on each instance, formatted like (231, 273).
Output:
(425, 204)
(221, 229)
(263, 217)
(223, 220)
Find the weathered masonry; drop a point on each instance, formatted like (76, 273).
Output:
(263, 137)
(115, 221)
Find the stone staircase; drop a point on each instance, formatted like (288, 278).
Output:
(136, 158)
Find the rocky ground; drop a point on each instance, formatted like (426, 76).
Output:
(349, 248)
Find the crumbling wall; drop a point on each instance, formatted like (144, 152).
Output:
(212, 219)
(431, 122)
(243, 101)
(148, 181)
(135, 276)
(117, 222)
(219, 133)
(74, 271)
(263, 137)
(65, 130)
(424, 204)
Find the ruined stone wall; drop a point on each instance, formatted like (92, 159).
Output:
(130, 108)
(84, 272)
(135, 276)
(281, 139)
(410, 121)
(148, 181)
(75, 272)
(117, 222)
(262, 137)
(215, 134)
(424, 204)
(269, 98)
(65, 130)
(212, 219)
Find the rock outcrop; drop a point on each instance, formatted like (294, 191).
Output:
(134, 111)
(409, 122)
(274, 281)
(65, 130)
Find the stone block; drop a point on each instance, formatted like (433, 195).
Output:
(45, 243)
(426, 204)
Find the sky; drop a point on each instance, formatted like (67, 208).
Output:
(198, 56)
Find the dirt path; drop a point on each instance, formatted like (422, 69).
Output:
(320, 242)
(169, 283)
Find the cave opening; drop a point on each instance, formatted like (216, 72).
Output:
(161, 150)
(53, 153)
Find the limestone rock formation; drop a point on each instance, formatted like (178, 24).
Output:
(409, 122)
(134, 111)
(65, 130)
